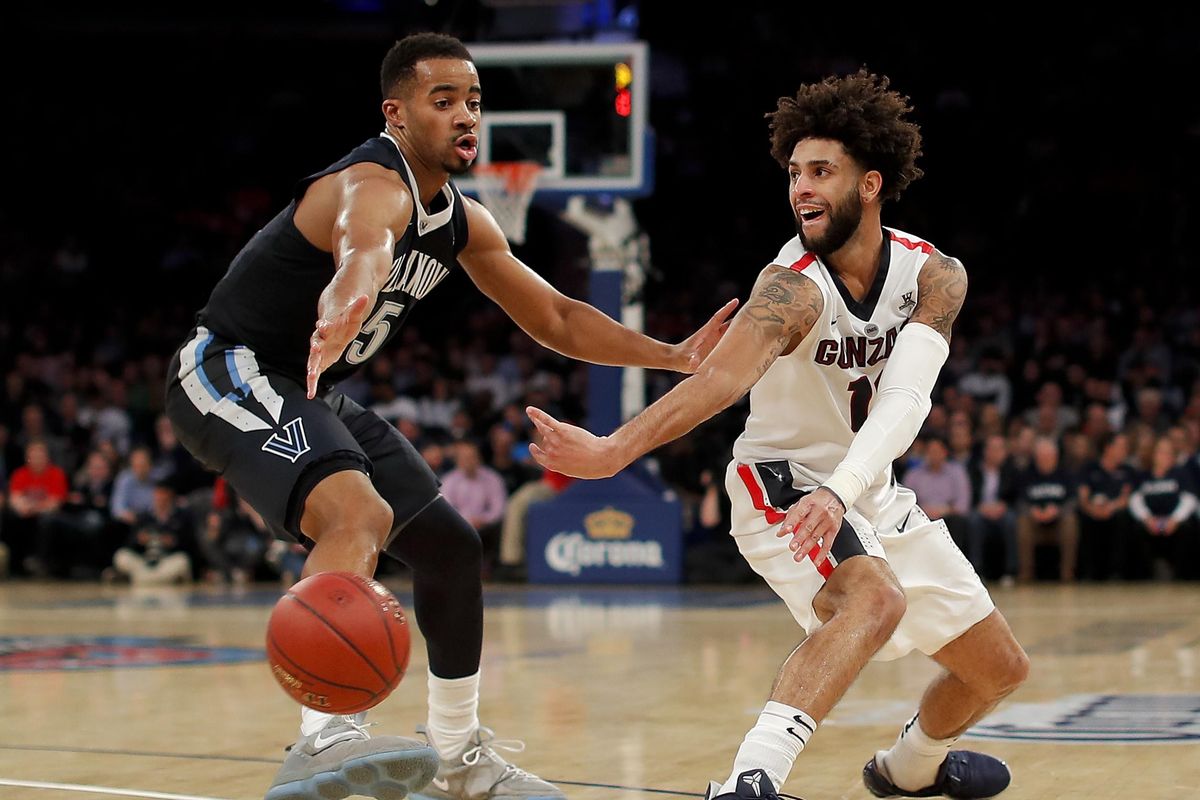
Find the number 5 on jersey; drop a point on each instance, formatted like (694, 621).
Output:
(378, 326)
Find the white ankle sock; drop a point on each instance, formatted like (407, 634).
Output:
(913, 761)
(773, 744)
(312, 721)
(453, 713)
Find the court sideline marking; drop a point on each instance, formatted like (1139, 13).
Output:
(79, 787)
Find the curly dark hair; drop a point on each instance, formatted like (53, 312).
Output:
(860, 112)
(400, 63)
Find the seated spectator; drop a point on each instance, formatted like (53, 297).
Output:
(476, 491)
(434, 453)
(34, 429)
(1103, 499)
(512, 566)
(942, 488)
(1150, 411)
(287, 559)
(78, 541)
(513, 471)
(994, 485)
(157, 552)
(437, 410)
(133, 492)
(1020, 445)
(1050, 417)
(35, 493)
(1077, 453)
(234, 544)
(988, 383)
(1046, 512)
(1164, 511)
(961, 442)
(174, 463)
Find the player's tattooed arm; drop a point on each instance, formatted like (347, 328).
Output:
(783, 306)
(782, 309)
(941, 290)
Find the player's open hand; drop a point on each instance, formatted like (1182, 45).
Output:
(331, 337)
(570, 450)
(813, 523)
(694, 349)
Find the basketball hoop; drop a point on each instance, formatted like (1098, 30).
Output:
(506, 188)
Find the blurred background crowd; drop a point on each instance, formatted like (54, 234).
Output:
(1063, 442)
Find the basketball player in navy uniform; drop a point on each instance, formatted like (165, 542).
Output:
(840, 345)
(251, 394)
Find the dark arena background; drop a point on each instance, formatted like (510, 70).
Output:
(626, 641)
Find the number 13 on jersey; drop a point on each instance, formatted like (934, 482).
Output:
(861, 390)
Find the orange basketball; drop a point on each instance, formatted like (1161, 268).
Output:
(338, 642)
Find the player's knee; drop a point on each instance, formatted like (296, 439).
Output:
(465, 546)
(366, 517)
(439, 540)
(886, 604)
(1015, 671)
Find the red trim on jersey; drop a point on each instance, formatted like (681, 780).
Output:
(775, 517)
(924, 247)
(804, 263)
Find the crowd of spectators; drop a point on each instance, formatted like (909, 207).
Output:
(1062, 442)
(1063, 439)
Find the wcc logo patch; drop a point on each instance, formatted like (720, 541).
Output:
(1099, 718)
(907, 302)
(291, 444)
(71, 653)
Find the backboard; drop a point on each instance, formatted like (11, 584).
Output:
(577, 108)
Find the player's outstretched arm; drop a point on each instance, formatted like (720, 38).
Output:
(781, 310)
(569, 326)
(374, 208)
(896, 415)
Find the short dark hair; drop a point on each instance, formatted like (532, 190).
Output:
(861, 113)
(936, 439)
(399, 65)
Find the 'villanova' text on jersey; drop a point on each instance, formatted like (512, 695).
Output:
(268, 299)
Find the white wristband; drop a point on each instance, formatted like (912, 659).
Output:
(896, 415)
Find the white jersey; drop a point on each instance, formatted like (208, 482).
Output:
(807, 407)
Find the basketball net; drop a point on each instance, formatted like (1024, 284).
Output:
(506, 188)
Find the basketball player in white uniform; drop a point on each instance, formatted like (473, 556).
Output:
(840, 345)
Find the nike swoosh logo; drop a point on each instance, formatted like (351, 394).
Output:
(442, 784)
(320, 742)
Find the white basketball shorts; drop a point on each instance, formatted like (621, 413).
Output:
(945, 597)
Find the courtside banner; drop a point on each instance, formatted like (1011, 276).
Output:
(598, 533)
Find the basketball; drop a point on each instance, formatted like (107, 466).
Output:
(338, 642)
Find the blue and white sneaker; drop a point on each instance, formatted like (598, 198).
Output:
(963, 775)
(341, 760)
(753, 784)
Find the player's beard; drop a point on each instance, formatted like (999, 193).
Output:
(844, 219)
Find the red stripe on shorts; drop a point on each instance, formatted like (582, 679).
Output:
(774, 517)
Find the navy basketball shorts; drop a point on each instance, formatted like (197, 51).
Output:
(257, 428)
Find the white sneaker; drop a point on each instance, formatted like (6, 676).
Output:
(482, 774)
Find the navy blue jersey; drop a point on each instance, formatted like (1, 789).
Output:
(1047, 489)
(267, 300)
(1162, 496)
